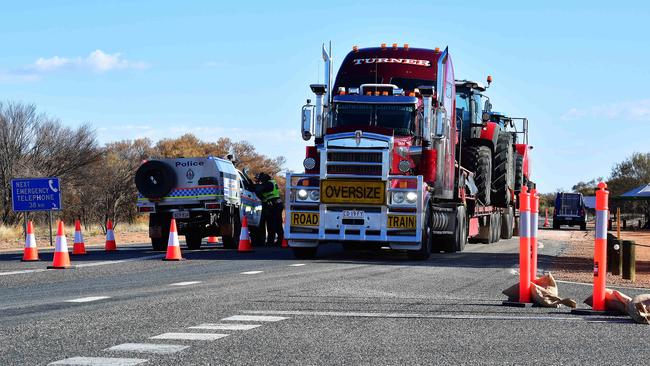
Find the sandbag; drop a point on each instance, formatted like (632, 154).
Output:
(543, 292)
(639, 309)
(614, 301)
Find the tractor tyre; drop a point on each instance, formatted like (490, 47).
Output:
(519, 172)
(478, 159)
(502, 173)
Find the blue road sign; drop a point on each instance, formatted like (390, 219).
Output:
(36, 194)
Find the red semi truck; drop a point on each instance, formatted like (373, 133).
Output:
(384, 168)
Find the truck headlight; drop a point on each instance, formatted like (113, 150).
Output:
(302, 194)
(314, 195)
(398, 197)
(411, 197)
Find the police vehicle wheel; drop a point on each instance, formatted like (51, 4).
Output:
(154, 179)
(583, 227)
(193, 241)
(232, 242)
(304, 253)
(160, 222)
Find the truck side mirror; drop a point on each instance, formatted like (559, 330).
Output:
(307, 121)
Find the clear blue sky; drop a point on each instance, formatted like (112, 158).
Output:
(578, 70)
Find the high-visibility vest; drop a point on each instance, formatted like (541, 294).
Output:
(275, 193)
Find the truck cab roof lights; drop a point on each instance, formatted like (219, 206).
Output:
(436, 50)
(471, 85)
(318, 89)
(394, 46)
(398, 91)
(383, 46)
(377, 87)
(384, 93)
(355, 48)
(406, 46)
(353, 91)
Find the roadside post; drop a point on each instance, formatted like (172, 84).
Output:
(36, 194)
(629, 260)
(524, 251)
(546, 216)
(534, 225)
(600, 254)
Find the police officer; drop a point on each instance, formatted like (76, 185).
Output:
(269, 192)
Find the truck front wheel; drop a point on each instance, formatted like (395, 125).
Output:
(427, 241)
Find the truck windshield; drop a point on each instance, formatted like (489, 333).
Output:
(399, 118)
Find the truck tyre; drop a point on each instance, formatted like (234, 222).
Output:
(427, 240)
(503, 174)
(478, 159)
(193, 241)
(159, 221)
(304, 253)
(154, 179)
(508, 221)
(497, 227)
(456, 241)
(519, 172)
(232, 242)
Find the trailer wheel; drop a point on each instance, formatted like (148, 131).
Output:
(193, 241)
(503, 175)
(508, 222)
(427, 240)
(478, 159)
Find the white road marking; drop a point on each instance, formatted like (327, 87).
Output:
(254, 318)
(22, 271)
(191, 336)
(297, 265)
(251, 272)
(186, 283)
(406, 315)
(161, 349)
(104, 263)
(99, 361)
(209, 326)
(89, 299)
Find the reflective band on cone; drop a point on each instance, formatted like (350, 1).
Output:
(61, 257)
(79, 247)
(111, 246)
(600, 247)
(173, 246)
(524, 245)
(244, 238)
(31, 253)
(534, 216)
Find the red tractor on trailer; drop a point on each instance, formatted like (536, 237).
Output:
(384, 168)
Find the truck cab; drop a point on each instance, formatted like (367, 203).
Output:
(569, 210)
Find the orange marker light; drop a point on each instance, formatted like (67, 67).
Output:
(406, 46)
(355, 48)
(377, 93)
(489, 79)
(384, 93)
(394, 46)
(436, 50)
(411, 94)
(368, 93)
(383, 46)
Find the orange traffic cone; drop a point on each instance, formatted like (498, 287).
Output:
(173, 246)
(31, 253)
(546, 219)
(212, 240)
(110, 237)
(79, 247)
(61, 257)
(244, 238)
(285, 244)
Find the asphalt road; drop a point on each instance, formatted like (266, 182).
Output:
(266, 308)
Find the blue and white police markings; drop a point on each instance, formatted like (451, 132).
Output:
(36, 194)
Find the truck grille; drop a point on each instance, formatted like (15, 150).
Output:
(356, 160)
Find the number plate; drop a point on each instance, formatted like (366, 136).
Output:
(370, 192)
(402, 222)
(181, 214)
(354, 214)
(305, 218)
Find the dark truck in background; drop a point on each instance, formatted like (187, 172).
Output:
(569, 210)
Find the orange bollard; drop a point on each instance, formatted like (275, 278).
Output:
(546, 219)
(534, 216)
(524, 245)
(600, 247)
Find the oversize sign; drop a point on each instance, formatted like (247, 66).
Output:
(36, 194)
(371, 192)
